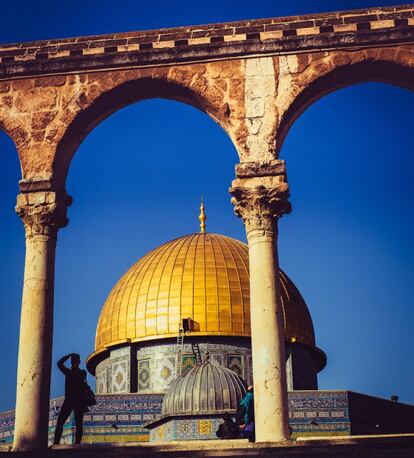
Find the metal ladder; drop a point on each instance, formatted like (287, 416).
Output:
(180, 348)
(196, 352)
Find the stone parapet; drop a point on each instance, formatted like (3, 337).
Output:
(386, 25)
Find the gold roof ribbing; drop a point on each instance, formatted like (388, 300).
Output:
(202, 276)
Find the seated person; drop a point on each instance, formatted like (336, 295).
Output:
(228, 429)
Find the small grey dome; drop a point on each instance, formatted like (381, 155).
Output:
(205, 389)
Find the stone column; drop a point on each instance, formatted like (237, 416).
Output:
(260, 194)
(43, 213)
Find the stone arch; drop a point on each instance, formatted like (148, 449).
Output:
(328, 72)
(180, 85)
(17, 134)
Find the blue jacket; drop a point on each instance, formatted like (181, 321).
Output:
(248, 408)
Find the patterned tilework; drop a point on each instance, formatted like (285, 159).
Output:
(121, 418)
(6, 427)
(217, 359)
(164, 433)
(311, 413)
(166, 371)
(108, 434)
(113, 374)
(68, 435)
(101, 379)
(115, 418)
(279, 33)
(108, 371)
(235, 363)
(144, 374)
(163, 361)
(120, 377)
(319, 413)
(205, 427)
(7, 424)
(119, 352)
(188, 428)
(188, 361)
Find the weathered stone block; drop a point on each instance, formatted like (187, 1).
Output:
(6, 101)
(255, 108)
(38, 135)
(224, 69)
(50, 81)
(41, 99)
(42, 119)
(4, 87)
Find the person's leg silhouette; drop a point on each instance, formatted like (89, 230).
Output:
(79, 424)
(64, 413)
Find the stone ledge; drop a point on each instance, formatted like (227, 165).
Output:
(384, 446)
(218, 29)
(214, 41)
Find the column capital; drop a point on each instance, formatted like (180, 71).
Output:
(260, 195)
(43, 212)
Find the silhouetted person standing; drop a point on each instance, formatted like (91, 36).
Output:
(75, 384)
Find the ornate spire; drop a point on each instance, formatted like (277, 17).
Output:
(202, 217)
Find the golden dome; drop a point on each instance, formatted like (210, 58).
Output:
(201, 276)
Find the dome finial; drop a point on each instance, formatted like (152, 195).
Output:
(202, 217)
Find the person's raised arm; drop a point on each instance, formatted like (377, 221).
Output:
(61, 364)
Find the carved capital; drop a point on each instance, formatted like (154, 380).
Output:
(261, 199)
(43, 212)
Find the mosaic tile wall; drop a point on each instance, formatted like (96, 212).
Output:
(68, 435)
(311, 413)
(144, 374)
(156, 366)
(7, 424)
(6, 427)
(121, 418)
(113, 375)
(188, 428)
(319, 413)
(160, 361)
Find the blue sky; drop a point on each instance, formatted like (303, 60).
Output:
(137, 179)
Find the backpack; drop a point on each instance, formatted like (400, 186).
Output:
(89, 396)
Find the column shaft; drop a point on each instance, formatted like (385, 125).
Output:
(268, 345)
(259, 194)
(42, 213)
(35, 345)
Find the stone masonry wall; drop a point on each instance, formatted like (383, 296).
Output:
(253, 78)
